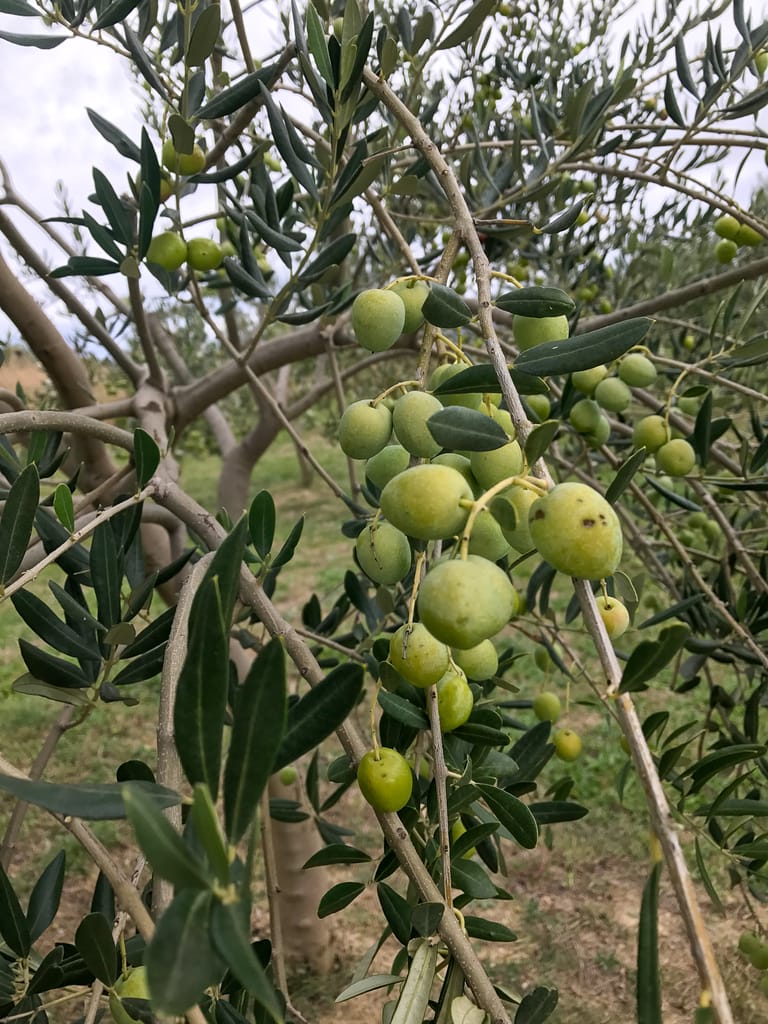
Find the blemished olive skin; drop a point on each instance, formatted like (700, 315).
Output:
(464, 601)
(378, 318)
(424, 501)
(385, 781)
(384, 553)
(577, 531)
(409, 420)
(426, 658)
(364, 429)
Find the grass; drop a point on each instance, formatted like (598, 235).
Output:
(576, 897)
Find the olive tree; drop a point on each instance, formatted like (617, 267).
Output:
(501, 199)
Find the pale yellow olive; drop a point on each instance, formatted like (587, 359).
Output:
(614, 615)
(650, 432)
(464, 601)
(677, 457)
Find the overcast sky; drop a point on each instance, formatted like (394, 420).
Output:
(48, 137)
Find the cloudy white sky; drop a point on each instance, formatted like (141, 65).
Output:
(48, 137)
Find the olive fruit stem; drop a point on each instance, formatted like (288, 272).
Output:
(372, 722)
(394, 387)
(481, 503)
(506, 277)
(418, 571)
(440, 775)
(454, 349)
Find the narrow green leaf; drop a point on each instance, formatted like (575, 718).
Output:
(18, 8)
(338, 897)
(50, 669)
(426, 918)
(489, 931)
(648, 977)
(536, 1006)
(106, 573)
(459, 428)
(146, 455)
(236, 96)
(565, 219)
(337, 853)
(201, 694)
(96, 946)
(13, 924)
(549, 812)
(539, 440)
(205, 35)
(318, 46)
(259, 720)
(683, 68)
(232, 942)
(241, 279)
(403, 710)
(35, 688)
(164, 848)
(705, 877)
(282, 140)
(651, 656)
(583, 351)
(181, 962)
(115, 12)
(17, 521)
(45, 897)
(39, 617)
(720, 760)
(261, 523)
(397, 911)
(670, 103)
(515, 816)
(332, 256)
(319, 712)
(537, 301)
(482, 377)
(471, 24)
(39, 42)
(472, 879)
(747, 808)
(91, 801)
(624, 475)
(369, 984)
(116, 212)
(444, 307)
(64, 507)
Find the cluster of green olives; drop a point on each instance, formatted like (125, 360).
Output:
(732, 234)
(462, 514)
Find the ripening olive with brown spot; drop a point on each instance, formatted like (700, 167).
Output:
(577, 531)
